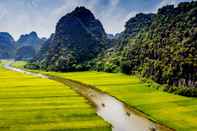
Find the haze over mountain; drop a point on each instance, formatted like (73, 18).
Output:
(7, 45)
(28, 39)
(25, 48)
(28, 45)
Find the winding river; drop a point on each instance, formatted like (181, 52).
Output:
(120, 116)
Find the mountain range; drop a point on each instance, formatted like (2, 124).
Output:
(161, 46)
(25, 48)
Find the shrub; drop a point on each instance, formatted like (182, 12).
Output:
(125, 67)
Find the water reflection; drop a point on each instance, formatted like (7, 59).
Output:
(118, 115)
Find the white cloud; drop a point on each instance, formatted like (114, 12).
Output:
(24, 16)
(163, 3)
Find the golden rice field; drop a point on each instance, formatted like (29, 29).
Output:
(177, 112)
(29, 103)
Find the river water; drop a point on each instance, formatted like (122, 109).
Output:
(121, 117)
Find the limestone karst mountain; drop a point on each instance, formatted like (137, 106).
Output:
(78, 38)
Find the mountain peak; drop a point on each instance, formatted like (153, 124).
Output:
(28, 37)
(6, 35)
(81, 9)
(81, 18)
(28, 45)
(82, 12)
(33, 33)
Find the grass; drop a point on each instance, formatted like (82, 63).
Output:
(177, 112)
(30, 103)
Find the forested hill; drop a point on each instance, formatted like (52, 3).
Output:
(78, 38)
(110, 59)
(165, 50)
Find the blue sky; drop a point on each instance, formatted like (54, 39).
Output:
(23, 16)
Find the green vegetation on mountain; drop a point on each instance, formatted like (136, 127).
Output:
(78, 38)
(110, 59)
(164, 50)
(167, 50)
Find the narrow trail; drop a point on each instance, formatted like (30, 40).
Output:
(109, 108)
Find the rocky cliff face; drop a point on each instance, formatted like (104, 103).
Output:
(79, 37)
(6, 45)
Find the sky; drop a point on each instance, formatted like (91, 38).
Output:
(23, 16)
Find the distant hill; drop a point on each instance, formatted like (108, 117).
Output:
(28, 46)
(25, 53)
(78, 38)
(28, 39)
(7, 46)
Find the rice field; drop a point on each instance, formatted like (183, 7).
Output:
(177, 112)
(30, 103)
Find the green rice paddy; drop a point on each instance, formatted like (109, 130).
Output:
(30, 103)
(177, 112)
